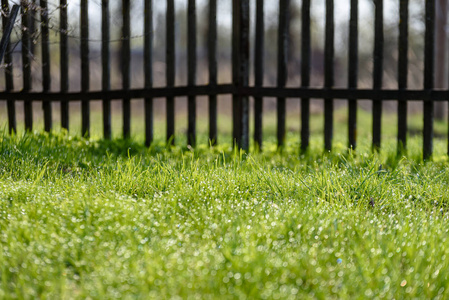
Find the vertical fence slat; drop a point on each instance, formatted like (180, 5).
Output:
(429, 49)
(9, 79)
(26, 63)
(64, 62)
(235, 71)
(259, 73)
(170, 73)
(305, 73)
(240, 71)
(244, 73)
(377, 72)
(85, 81)
(329, 74)
(32, 26)
(191, 62)
(46, 76)
(402, 74)
(212, 57)
(353, 62)
(106, 68)
(126, 67)
(148, 64)
(283, 44)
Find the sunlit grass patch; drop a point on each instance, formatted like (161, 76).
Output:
(112, 219)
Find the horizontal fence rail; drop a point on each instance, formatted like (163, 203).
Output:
(224, 89)
(239, 87)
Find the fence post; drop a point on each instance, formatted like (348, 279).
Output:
(241, 71)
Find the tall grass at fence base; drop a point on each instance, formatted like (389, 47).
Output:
(101, 219)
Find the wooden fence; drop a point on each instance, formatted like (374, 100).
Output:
(239, 87)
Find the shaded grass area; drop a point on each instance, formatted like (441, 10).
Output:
(112, 219)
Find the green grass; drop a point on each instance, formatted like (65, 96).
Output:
(111, 219)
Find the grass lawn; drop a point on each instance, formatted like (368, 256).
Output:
(97, 219)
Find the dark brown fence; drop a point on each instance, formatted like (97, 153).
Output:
(239, 88)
